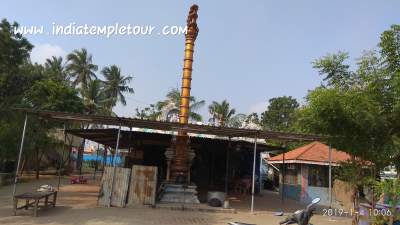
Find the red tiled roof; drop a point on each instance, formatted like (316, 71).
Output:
(315, 152)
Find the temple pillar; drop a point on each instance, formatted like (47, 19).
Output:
(179, 189)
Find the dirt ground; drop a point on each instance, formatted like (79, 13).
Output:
(77, 204)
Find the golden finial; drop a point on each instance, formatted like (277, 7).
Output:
(192, 29)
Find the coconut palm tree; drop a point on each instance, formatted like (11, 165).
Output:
(221, 113)
(81, 68)
(95, 100)
(115, 85)
(172, 102)
(55, 66)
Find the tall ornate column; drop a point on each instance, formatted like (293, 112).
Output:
(180, 166)
(181, 191)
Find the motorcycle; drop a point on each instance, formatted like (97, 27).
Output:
(300, 217)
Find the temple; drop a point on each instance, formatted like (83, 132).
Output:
(188, 160)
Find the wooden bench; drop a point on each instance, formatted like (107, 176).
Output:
(35, 197)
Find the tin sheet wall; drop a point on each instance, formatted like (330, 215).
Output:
(120, 189)
(143, 185)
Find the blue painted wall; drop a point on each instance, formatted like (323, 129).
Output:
(87, 157)
(291, 191)
(100, 158)
(320, 192)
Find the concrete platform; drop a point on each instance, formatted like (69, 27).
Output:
(193, 207)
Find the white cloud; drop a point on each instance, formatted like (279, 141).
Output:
(259, 107)
(41, 52)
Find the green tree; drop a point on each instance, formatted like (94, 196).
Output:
(280, 114)
(390, 48)
(391, 188)
(55, 68)
(15, 50)
(388, 189)
(14, 81)
(242, 120)
(10, 126)
(172, 102)
(148, 113)
(47, 94)
(115, 85)
(95, 100)
(336, 73)
(390, 83)
(54, 96)
(359, 110)
(81, 68)
(221, 113)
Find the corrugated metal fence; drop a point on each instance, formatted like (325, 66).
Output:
(141, 185)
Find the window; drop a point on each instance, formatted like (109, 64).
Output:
(291, 174)
(318, 176)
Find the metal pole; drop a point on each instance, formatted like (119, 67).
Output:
(330, 176)
(254, 173)
(227, 166)
(19, 156)
(62, 159)
(80, 154)
(71, 139)
(260, 183)
(97, 158)
(114, 164)
(128, 162)
(283, 175)
(105, 157)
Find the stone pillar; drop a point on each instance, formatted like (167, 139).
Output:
(191, 154)
(169, 155)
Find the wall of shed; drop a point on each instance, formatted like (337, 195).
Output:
(292, 191)
(305, 193)
(317, 192)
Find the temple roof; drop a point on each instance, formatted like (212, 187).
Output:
(313, 153)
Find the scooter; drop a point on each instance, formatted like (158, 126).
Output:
(300, 217)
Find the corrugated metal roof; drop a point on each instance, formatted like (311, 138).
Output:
(170, 126)
(134, 138)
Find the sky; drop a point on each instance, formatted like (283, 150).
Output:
(246, 52)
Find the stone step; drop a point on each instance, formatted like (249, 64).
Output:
(180, 193)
